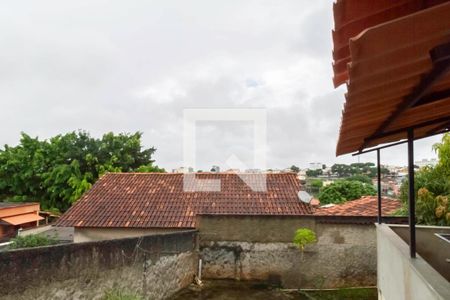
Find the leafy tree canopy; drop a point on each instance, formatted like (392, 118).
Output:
(344, 190)
(361, 178)
(295, 169)
(317, 183)
(369, 169)
(443, 151)
(432, 188)
(303, 237)
(432, 210)
(59, 170)
(314, 173)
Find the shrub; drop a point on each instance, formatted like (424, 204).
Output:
(361, 178)
(432, 210)
(303, 237)
(344, 190)
(30, 241)
(116, 294)
(314, 173)
(432, 189)
(316, 183)
(433, 179)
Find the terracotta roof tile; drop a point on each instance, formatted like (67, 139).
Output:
(351, 17)
(144, 200)
(388, 62)
(366, 206)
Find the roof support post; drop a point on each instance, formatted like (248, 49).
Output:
(411, 194)
(379, 185)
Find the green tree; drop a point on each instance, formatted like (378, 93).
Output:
(342, 170)
(443, 151)
(432, 188)
(295, 169)
(430, 178)
(303, 237)
(316, 183)
(314, 173)
(313, 186)
(369, 169)
(361, 178)
(432, 210)
(57, 171)
(344, 190)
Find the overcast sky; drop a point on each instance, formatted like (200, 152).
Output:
(126, 66)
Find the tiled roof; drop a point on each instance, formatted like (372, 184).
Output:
(152, 200)
(16, 204)
(351, 17)
(366, 206)
(395, 81)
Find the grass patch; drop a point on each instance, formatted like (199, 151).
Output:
(32, 240)
(348, 294)
(116, 294)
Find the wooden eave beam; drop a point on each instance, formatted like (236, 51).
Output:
(429, 134)
(416, 126)
(433, 97)
(440, 57)
(437, 129)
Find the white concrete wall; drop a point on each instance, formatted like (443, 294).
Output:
(34, 230)
(403, 278)
(97, 234)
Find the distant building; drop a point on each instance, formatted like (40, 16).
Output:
(327, 171)
(253, 171)
(394, 170)
(15, 216)
(183, 170)
(215, 169)
(426, 162)
(389, 186)
(302, 172)
(315, 166)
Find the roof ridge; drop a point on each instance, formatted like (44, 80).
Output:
(196, 173)
(160, 200)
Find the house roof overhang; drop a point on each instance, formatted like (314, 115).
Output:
(397, 78)
(22, 219)
(351, 17)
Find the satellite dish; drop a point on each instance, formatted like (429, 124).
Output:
(304, 196)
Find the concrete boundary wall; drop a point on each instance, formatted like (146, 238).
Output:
(261, 248)
(87, 234)
(433, 249)
(153, 266)
(402, 277)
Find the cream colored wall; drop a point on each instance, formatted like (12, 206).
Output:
(98, 234)
(401, 277)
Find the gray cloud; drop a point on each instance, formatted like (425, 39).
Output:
(127, 66)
